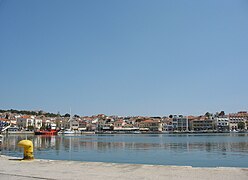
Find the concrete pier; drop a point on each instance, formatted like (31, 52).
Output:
(15, 169)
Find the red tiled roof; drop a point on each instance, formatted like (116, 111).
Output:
(25, 117)
(3, 119)
(149, 120)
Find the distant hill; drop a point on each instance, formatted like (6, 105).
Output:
(37, 113)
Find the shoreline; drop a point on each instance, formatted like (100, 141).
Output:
(14, 168)
(133, 132)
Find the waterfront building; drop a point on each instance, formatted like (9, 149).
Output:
(118, 124)
(238, 120)
(202, 124)
(12, 121)
(92, 123)
(166, 124)
(73, 124)
(149, 124)
(60, 122)
(25, 122)
(37, 123)
(222, 123)
(121, 125)
(46, 122)
(107, 127)
(49, 123)
(180, 123)
(104, 123)
(82, 125)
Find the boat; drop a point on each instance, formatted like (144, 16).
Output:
(234, 131)
(46, 132)
(50, 131)
(67, 131)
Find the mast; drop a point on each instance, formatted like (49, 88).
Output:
(70, 119)
(187, 124)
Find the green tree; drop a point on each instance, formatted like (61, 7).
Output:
(76, 116)
(222, 113)
(67, 115)
(241, 125)
(40, 112)
(208, 114)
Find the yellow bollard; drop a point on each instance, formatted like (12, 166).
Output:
(28, 149)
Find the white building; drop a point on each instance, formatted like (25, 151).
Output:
(37, 123)
(25, 122)
(236, 118)
(180, 123)
(222, 123)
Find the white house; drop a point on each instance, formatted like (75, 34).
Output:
(25, 121)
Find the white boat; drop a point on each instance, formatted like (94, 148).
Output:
(234, 131)
(68, 131)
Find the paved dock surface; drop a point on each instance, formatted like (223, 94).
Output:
(14, 169)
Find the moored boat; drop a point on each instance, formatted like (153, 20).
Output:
(67, 131)
(46, 132)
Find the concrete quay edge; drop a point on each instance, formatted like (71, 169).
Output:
(14, 168)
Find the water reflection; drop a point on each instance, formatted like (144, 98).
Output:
(118, 146)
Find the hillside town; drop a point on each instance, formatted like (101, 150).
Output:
(13, 122)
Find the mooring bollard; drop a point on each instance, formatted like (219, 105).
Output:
(28, 149)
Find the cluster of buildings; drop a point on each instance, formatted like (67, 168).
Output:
(218, 122)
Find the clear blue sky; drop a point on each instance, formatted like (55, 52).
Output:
(124, 57)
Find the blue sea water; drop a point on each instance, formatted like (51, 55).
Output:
(197, 150)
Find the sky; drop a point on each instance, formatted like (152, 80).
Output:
(124, 57)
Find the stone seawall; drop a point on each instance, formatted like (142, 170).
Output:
(13, 168)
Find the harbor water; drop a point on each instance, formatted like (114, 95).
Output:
(197, 150)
